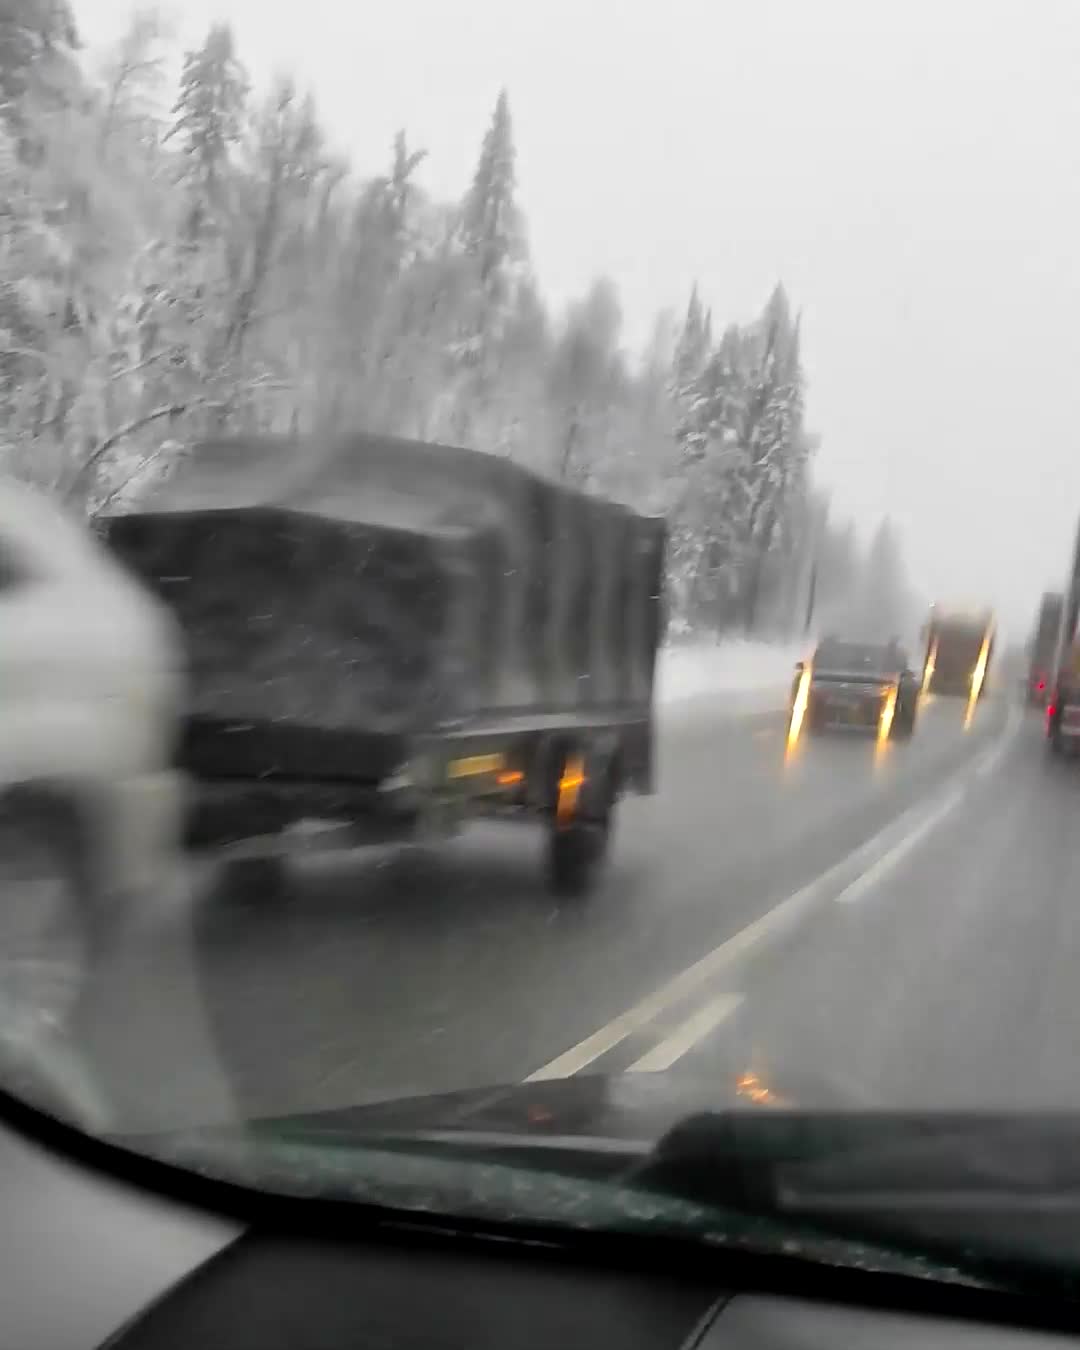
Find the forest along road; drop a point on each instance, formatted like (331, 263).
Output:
(384, 975)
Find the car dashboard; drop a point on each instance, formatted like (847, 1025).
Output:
(90, 1259)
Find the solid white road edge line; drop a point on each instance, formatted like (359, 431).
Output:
(878, 870)
(696, 1027)
(867, 880)
(769, 925)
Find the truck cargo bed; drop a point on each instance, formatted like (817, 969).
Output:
(343, 598)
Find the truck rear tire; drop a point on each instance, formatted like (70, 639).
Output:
(1053, 737)
(578, 849)
(576, 854)
(903, 727)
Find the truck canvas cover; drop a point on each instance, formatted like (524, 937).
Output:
(955, 641)
(1044, 642)
(340, 595)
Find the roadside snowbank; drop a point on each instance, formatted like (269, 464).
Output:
(744, 675)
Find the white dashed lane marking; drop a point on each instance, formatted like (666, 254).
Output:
(696, 1027)
(873, 859)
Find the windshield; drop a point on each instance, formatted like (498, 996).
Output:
(853, 656)
(440, 452)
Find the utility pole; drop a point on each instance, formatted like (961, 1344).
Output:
(821, 517)
(811, 596)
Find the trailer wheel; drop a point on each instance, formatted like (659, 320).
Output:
(903, 727)
(578, 848)
(1053, 735)
(575, 857)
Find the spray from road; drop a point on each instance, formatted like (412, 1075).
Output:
(928, 672)
(978, 676)
(798, 710)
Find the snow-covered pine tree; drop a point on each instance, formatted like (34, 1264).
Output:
(208, 123)
(491, 238)
(132, 77)
(515, 422)
(491, 226)
(285, 162)
(38, 70)
(775, 448)
(227, 273)
(691, 348)
(885, 607)
(586, 380)
(706, 503)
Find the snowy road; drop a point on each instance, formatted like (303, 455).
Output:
(901, 928)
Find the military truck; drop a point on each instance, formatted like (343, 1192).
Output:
(1042, 649)
(393, 637)
(959, 648)
(1063, 704)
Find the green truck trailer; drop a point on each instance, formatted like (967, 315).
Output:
(393, 637)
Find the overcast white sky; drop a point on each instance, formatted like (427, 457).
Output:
(910, 171)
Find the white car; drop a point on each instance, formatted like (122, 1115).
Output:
(91, 684)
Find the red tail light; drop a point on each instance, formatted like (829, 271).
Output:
(1041, 686)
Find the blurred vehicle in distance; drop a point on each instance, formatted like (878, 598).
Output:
(388, 638)
(959, 649)
(856, 685)
(1042, 648)
(1063, 705)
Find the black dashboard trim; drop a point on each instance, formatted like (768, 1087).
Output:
(1044, 1303)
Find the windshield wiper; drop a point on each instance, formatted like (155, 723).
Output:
(1003, 1190)
(782, 1161)
(846, 1159)
(998, 1195)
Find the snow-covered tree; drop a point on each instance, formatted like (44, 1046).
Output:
(207, 126)
(774, 446)
(38, 40)
(492, 232)
(692, 348)
(706, 508)
(174, 264)
(491, 238)
(132, 78)
(883, 605)
(587, 379)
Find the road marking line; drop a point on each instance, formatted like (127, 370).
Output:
(696, 1027)
(782, 916)
(991, 757)
(983, 765)
(885, 864)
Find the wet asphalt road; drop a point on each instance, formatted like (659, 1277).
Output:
(943, 975)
